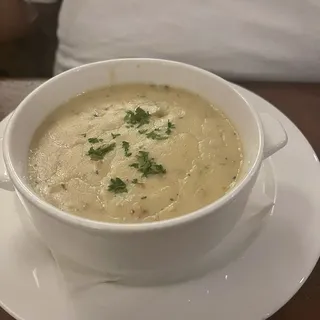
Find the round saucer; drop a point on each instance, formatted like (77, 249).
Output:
(251, 286)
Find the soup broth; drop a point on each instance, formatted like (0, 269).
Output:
(134, 153)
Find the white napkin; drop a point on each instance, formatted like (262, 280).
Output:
(92, 294)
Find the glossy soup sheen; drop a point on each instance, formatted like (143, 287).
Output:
(134, 153)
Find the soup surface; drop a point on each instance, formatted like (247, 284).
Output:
(134, 153)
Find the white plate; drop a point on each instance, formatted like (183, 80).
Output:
(252, 286)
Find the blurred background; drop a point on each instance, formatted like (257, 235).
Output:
(33, 55)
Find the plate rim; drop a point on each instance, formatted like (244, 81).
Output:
(306, 141)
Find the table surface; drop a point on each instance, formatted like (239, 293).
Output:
(300, 102)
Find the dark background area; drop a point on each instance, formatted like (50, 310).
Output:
(33, 55)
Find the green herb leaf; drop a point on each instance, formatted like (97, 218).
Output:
(155, 136)
(144, 197)
(100, 152)
(142, 131)
(117, 186)
(146, 165)
(138, 117)
(170, 126)
(134, 181)
(125, 146)
(94, 140)
(114, 135)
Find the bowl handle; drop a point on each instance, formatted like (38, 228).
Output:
(5, 182)
(275, 136)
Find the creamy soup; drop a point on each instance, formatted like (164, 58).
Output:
(134, 153)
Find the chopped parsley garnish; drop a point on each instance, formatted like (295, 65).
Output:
(170, 126)
(84, 135)
(94, 140)
(146, 165)
(138, 117)
(125, 146)
(114, 135)
(155, 136)
(156, 133)
(63, 186)
(144, 197)
(100, 152)
(117, 186)
(134, 181)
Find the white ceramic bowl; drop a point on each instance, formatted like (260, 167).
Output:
(148, 248)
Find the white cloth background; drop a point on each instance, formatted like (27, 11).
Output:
(258, 39)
